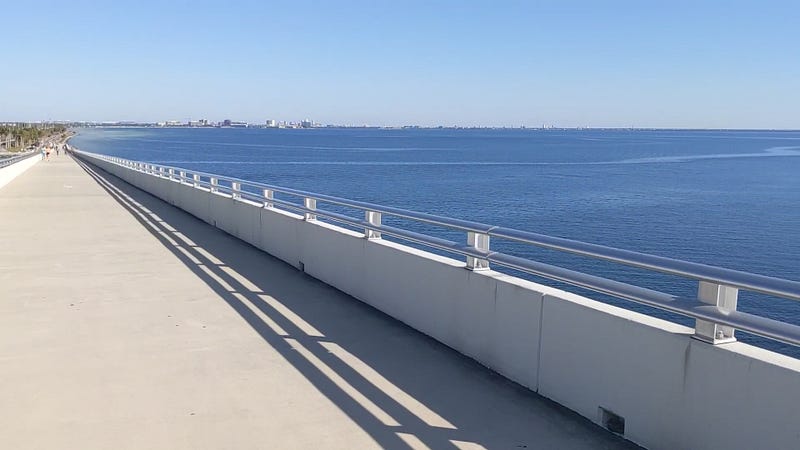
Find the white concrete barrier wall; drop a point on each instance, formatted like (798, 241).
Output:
(8, 173)
(673, 392)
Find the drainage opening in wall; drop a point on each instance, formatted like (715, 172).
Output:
(612, 422)
(302, 267)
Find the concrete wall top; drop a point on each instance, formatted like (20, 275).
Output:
(8, 173)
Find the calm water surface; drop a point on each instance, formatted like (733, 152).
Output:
(724, 198)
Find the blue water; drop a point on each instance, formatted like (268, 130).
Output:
(727, 198)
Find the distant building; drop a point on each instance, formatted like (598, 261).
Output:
(272, 123)
(198, 123)
(226, 123)
(306, 124)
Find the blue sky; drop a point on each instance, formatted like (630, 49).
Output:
(727, 64)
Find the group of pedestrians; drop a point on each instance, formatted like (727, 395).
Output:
(58, 148)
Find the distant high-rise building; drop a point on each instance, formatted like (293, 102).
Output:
(306, 124)
(226, 123)
(272, 123)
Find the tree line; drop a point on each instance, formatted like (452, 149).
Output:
(22, 136)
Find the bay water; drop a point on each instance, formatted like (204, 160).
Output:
(725, 198)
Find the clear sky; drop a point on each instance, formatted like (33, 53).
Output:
(692, 64)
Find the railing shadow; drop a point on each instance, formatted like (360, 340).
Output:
(401, 387)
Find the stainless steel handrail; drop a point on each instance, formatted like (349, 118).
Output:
(744, 280)
(695, 308)
(5, 162)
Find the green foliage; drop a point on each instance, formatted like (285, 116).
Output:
(25, 135)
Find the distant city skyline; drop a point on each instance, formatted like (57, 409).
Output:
(295, 124)
(621, 64)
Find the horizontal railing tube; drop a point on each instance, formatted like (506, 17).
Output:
(5, 162)
(743, 280)
(714, 309)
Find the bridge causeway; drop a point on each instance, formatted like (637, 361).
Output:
(127, 323)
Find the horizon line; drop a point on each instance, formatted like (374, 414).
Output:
(148, 124)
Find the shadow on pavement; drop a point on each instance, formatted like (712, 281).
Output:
(403, 388)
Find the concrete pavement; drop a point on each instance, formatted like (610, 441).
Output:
(126, 323)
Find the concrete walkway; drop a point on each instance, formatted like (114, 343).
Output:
(126, 323)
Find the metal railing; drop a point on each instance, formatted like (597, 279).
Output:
(5, 162)
(714, 308)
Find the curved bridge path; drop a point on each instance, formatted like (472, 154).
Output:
(128, 324)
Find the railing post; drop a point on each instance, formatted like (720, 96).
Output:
(214, 184)
(310, 203)
(161, 172)
(196, 180)
(171, 174)
(480, 242)
(373, 218)
(269, 195)
(724, 297)
(236, 189)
